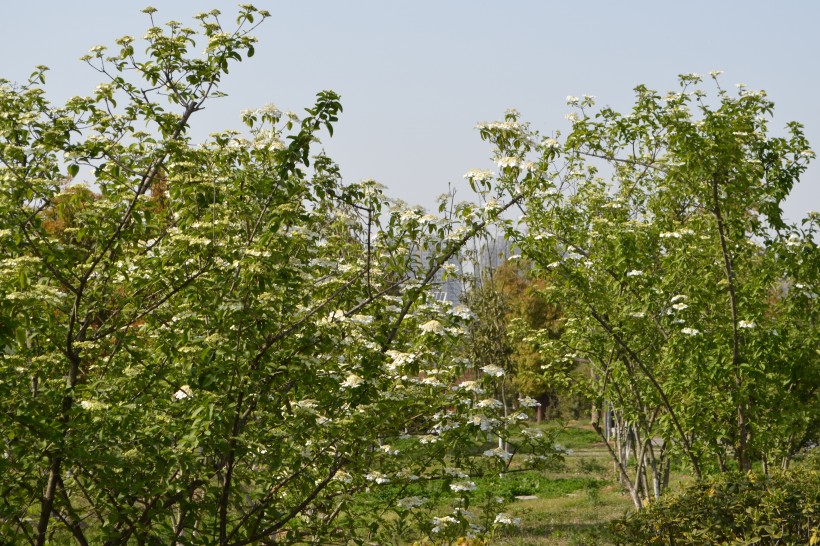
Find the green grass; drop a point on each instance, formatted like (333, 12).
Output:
(575, 437)
(581, 499)
(575, 500)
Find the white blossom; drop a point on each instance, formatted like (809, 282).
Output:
(411, 502)
(361, 319)
(93, 405)
(493, 370)
(508, 161)
(432, 381)
(409, 214)
(478, 175)
(439, 523)
(377, 477)
(498, 452)
(532, 433)
(746, 324)
(690, 331)
(399, 359)
(462, 486)
(462, 312)
(432, 327)
(471, 386)
(505, 519)
(482, 422)
(352, 381)
(184, 392)
(528, 402)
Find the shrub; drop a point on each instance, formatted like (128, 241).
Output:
(735, 508)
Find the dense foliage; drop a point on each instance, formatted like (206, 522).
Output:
(691, 299)
(223, 343)
(734, 508)
(220, 343)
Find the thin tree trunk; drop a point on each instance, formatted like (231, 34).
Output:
(633, 491)
(741, 454)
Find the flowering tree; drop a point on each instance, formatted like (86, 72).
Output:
(218, 343)
(683, 288)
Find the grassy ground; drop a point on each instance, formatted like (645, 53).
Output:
(576, 517)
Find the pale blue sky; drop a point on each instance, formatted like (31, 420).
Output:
(415, 77)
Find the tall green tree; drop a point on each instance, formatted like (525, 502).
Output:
(682, 285)
(216, 343)
(509, 309)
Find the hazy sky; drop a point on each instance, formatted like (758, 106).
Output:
(415, 77)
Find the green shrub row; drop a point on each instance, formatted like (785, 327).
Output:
(782, 508)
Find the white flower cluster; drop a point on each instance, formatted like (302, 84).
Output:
(377, 477)
(307, 405)
(93, 405)
(794, 240)
(533, 433)
(499, 453)
(493, 370)
(478, 175)
(433, 327)
(505, 519)
(399, 359)
(411, 502)
(184, 392)
(552, 144)
(470, 386)
(483, 422)
(442, 522)
(462, 486)
(509, 162)
(499, 126)
(461, 311)
(528, 402)
(352, 381)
